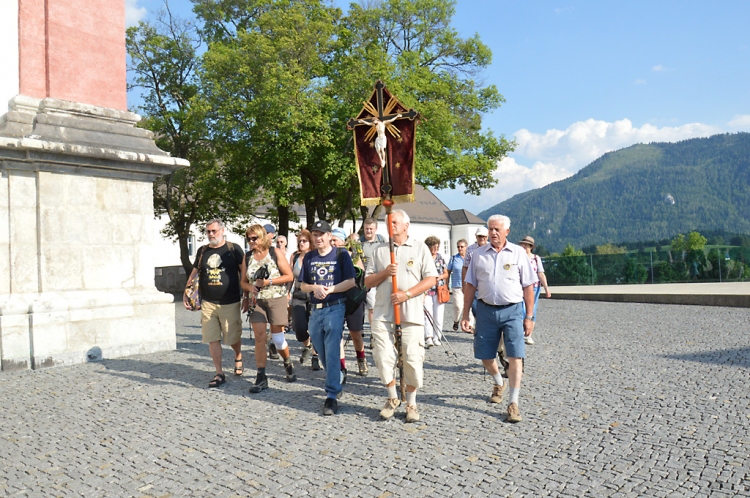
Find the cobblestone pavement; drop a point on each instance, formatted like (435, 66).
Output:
(617, 399)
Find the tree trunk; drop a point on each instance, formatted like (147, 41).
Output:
(182, 240)
(309, 213)
(283, 228)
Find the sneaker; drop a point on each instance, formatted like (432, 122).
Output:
(306, 354)
(343, 376)
(436, 341)
(390, 408)
(455, 326)
(362, 365)
(411, 413)
(514, 414)
(272, 353)
(497, 393)
(315, 363)
(289, 367)
(261, 383)
(428, 342)
(331, 407)
(528, 340)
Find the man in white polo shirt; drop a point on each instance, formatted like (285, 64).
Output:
(415, 273)
(501, 275)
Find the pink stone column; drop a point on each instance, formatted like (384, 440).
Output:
(73, 50)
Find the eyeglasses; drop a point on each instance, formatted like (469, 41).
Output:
(213, 231)
(252, 239)
(304, 240)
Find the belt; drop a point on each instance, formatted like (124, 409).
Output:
(499, 306)
(319, 306)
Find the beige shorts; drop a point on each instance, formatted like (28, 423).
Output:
(386, 358)
(219, 320)
(273, 311)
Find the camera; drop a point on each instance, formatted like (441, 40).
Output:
(261, 273)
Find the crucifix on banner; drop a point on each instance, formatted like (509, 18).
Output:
(384, 148)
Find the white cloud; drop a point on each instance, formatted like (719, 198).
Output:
(658, 68)
(558, 154)
(513, 178)
(133, 13)
(740, 121)
(640, 82)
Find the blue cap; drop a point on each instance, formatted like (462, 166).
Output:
(339, 233)
(269, 228)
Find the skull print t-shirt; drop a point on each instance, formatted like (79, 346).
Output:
(220, 273)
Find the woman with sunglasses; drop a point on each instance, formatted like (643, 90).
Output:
(301, 300)
(266, 301)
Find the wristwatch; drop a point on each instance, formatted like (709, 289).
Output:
(408, 295)
(529, 318)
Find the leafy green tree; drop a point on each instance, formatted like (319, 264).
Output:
(571, 251)
(264, 76)
(610, 249)
(163, 64)
(411, 45)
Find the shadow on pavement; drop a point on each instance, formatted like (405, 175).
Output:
(739, 357)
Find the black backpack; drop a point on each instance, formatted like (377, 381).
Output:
(357, 294)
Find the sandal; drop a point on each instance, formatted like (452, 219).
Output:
(218, 380)
(240, 369)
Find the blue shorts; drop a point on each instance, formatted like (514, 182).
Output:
(492, 323)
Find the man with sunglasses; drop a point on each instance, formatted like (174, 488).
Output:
(221, 266)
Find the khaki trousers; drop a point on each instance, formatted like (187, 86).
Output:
(386, 357)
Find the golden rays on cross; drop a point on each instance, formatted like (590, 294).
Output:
(374, 114)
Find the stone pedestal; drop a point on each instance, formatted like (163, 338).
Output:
(76, 235)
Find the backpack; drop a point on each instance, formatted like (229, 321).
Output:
(357, 294)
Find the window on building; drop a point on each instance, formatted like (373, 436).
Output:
(191, 245)
(447, 247)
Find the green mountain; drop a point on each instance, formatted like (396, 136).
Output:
(643, 192)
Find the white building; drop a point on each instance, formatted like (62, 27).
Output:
(429, 216)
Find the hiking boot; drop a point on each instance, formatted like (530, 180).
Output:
(331, 407)
(343, 376)
(514, 414)
(412, 415)
(261, 383)
(362, 365)
(289, 367)
(390, 408)
(306, 354)
(272, 353)
(497, 393)
(315, 363)
(455, 326)
(528, 340)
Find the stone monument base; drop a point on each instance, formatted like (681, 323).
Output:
(76, 236)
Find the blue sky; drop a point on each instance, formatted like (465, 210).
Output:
(582, 78)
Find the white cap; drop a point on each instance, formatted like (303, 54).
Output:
(482, 231)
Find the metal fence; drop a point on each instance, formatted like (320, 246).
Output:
(723, 264)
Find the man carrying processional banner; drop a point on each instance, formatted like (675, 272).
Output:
(404, 270)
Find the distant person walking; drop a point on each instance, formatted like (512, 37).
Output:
(433, 329)
(455, 269)
(536, 263)
(500, 274)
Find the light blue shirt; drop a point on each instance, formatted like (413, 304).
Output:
(454, 266)
(500, 276)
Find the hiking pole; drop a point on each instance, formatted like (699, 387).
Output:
(440, 334)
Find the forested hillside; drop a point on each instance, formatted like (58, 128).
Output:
(643, 192)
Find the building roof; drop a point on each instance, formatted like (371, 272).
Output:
(426, 208)
(464, 217)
